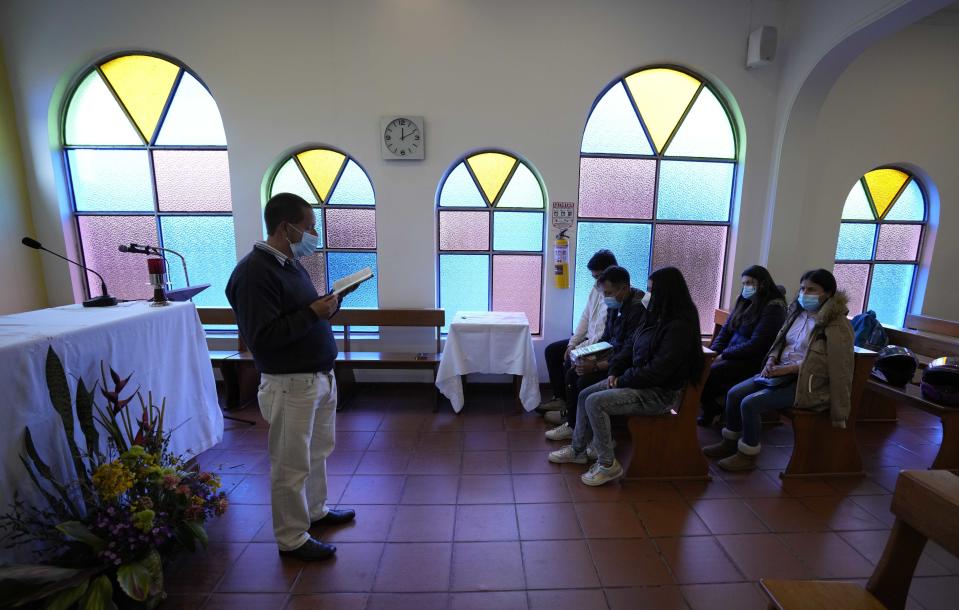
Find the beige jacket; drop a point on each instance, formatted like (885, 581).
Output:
(825, 375)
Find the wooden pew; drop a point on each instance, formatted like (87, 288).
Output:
(667, 446)
(925, 504)
(936, 326)
(232, 363)
(948, 456)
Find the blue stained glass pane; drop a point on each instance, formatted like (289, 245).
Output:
(910, 205)
(353, 187)
(209, 246)
(193, 117)
(855, 241)
(522, 231)
(613, 126)
(889, 292)
(464, 284)
(460, 190)
(111, 180)
(694, 190)
(705, 131)
(628, 241)
(341, 264)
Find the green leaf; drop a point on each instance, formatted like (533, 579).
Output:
(78, 531)
(60, 397)
(47, 474)
(66, 598)
(20, 583)
(184, 536)
(85, 415)
(99, 596)
(199, 532)
(134, 579)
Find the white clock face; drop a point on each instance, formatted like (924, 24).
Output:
(402, 137)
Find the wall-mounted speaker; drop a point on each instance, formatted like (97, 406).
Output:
(761, 47)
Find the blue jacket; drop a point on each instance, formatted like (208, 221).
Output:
(750, 341)
(659, 356)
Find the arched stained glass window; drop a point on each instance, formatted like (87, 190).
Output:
(657, 169)
(342, 195)
(880, 240)
(490, 214)
(147, 163)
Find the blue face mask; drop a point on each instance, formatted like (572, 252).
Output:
(612, 303)
(809, 302)
(306, 246)
(749, 292)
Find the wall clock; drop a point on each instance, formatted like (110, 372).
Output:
(402, 137)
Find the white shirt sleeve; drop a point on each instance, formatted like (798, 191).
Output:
(592, 323)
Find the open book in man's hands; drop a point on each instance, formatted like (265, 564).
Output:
(354, 279)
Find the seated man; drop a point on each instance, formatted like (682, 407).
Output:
(589, 330)
(625, 313)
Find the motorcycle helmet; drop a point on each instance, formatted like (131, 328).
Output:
(895, 365)
(940, 382)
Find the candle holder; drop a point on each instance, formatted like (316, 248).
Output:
(159, 281)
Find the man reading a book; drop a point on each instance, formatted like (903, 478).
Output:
(286, 325)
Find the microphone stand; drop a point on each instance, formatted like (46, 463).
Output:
(104, 300)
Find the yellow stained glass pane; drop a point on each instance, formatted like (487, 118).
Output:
(884, 185)
(143, 84)
(491, 170)
(661, 95)
(322, 166)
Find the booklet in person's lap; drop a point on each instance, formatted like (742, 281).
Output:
(590, 351)
(775, 382)
(354, 279)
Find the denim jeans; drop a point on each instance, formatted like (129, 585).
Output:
(597, 402)
(746, 402)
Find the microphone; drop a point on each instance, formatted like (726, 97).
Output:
(104, 300)
(156, 251)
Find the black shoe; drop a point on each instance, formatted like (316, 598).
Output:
(311, 550)
(336, 517)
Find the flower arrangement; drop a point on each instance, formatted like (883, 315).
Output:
(102, 539)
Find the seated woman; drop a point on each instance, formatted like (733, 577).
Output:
(809, 366)
(665, 355)
(742, 342)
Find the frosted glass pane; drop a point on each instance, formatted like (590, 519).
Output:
(353, 187)
(464, 284)
(898, 242)
(889, 292)
(464, 230)
(857, 206)
(491, 170)
(517, 286)
(315, 265)
(855, 241)
(143, 84)
(705, 132)
(910, 205)
(291, 180)
(628, 241)
(694, 190)
(350, 228)
(193, 117)
(95, 117)
(460, 190)
(616, 188)
(851, 279)
(613, 126)
(341, 264)
(883, 185)
(522, 231)
(193, 180)
(111, 180)
(662, 96)
(126, 274)
(209, 246)
(699, 251)
(523, 190)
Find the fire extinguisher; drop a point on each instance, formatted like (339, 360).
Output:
(561, 260)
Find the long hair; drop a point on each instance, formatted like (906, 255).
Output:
(747, 311)
(671, 301)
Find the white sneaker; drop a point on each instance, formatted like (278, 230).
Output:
(591, 454)
(560, 433)
(599, 475)
(566, 455)
(555, 417)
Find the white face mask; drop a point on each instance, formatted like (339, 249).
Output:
(306, 246)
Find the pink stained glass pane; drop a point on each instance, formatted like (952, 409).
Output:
(517, 286)
(616, 188)
(851, 279)
(125, 274)
(898, 242)
(464, 230)
(699, 251)
(350, 228)
(192, 180)
(315, 265)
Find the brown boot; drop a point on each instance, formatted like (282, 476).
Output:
(744, 458)
(722, 449)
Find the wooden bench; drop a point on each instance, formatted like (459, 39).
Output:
(948, 456)
(925, 504)
(935, 326)
(667, 446)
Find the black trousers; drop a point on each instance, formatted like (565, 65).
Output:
(557, 367)
(723, 375)
(575, 384)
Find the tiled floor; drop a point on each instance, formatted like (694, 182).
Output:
(464, 511)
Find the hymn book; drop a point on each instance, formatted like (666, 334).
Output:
(354, 279)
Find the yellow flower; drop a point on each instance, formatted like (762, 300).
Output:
(112, 479)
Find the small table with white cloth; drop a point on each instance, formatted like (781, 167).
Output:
(495, 342)
(164, 348)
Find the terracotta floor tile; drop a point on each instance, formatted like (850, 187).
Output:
(611, 492)
(352, 440)
(827, 555)
(402, 422)
(487, 566)
(408, 601)
(529, 440)
(672, 518)
(372, 524)
(540, 488)
(485, 489)
(754, 484)
(418, 566)
(935, 593)
(804, 488)
(878, 507)
(485, 522)
(351, 569)
(440, 441)
(485, 462)
(201, 571)
(730, 516)
(641, 491)
(482, 422)
(500, 600)
(374, 489)
(787, 515)
(578, 599)
(737, 596)
(660, 598)
(553, 521)
(695, 490)
(328, 601)
(774, 458)
(763, 556)
(871, 543)
(435, 462)
(429, 489)
(423, 523)
(558, 564)
(843, 513)
(629, 563)
(245, 601)
(856, 486)
(698, 559)
(609, 520)
(260, 569)
(239, 523)
(183, 602)
(445, 421)
(359, 421)
(943, 557)
(343, 462)
(485, 440)
(383, 462)
(532, 462)
(335, 486)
